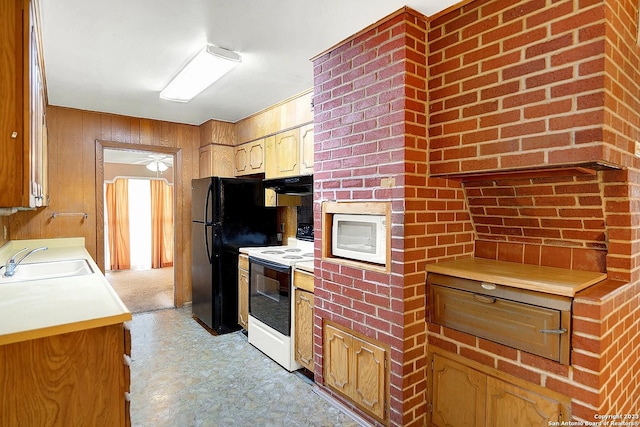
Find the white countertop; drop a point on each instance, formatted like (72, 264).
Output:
(304, 266)
(41, 308)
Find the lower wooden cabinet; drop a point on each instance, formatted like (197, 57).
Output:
(463, 393)
(73, 379)
(243, 291)
(304, 328)
(356, 367)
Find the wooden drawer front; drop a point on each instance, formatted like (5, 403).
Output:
(243, 262)
(303, 281)
(514, 324)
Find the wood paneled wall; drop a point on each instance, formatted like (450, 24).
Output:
(72, 179)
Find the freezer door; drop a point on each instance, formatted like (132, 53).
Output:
(202, 199)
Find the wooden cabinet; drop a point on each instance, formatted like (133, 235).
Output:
(71, 379)
(23, 131)
(306, 149)
(304, 329)
(304, 303)
(356, 367)
(531, 321)
(243, 291)
(249, 158)
(283, 154)
(465, 393)
(216, 160)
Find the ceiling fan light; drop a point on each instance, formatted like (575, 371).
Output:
(157, 166)
(209, 65)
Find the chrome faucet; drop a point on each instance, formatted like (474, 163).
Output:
(10, 266)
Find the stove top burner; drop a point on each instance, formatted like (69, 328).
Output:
(284, 255)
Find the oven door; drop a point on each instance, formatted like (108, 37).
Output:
(269, 294)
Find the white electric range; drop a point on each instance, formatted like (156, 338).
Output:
(271, 302)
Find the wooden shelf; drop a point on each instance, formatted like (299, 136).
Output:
(549, 171)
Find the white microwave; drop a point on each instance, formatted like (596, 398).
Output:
(360, 237)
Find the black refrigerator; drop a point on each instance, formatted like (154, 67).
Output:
(226, 214)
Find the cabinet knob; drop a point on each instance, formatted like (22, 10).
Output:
(14, 135)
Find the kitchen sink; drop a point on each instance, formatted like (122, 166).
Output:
(48, 270)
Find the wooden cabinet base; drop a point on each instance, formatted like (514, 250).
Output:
(73, 379)
(356, 367)
(464, 392)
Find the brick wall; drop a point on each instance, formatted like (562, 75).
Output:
(532, 83)
(371, 144)
(510, 84)
(556, 222)
(515, 84)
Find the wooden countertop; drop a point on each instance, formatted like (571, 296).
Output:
(41, 308)
(551, 280)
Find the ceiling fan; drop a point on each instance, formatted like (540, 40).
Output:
(157, 163)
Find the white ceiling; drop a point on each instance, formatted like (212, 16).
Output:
(133, 157)
(115, 56)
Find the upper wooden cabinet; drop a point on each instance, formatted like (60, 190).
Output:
(306, 149)
(216, 160)
(23, 130)
(249, 158)
(288, 114)
(283, 154)
(217, 132)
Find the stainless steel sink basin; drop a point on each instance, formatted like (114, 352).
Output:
(48, 270)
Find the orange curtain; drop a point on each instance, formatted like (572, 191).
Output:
(161, 224)
(117, 200)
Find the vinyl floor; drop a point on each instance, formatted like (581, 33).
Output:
(181, 375)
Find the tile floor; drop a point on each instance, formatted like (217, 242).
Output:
(183, 376)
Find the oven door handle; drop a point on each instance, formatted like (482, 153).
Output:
(269, 264)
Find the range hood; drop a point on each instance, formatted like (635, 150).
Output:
(294, 185)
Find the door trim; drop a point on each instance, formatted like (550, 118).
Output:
(178, 260)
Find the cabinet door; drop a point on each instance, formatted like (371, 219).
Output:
(458, 394)
(369, 376)
(510, 405)
(37, 182)
(243, 298)
(11, 120)
(204, 161)
(304, 329)
(249, 158)
(306, 150)
(283, 154)
(216, 160)
(337, 367)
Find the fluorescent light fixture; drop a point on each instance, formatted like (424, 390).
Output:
(210, 64)
(157, 166)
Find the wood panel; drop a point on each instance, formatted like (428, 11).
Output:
(70, 379)
(72, 175)
(217, 132)
(290, 113)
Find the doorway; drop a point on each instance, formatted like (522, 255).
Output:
(141, 287)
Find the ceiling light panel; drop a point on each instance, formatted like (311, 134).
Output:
(209, 65)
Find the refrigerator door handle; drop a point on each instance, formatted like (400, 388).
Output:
(207, 211)
(206, 242)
